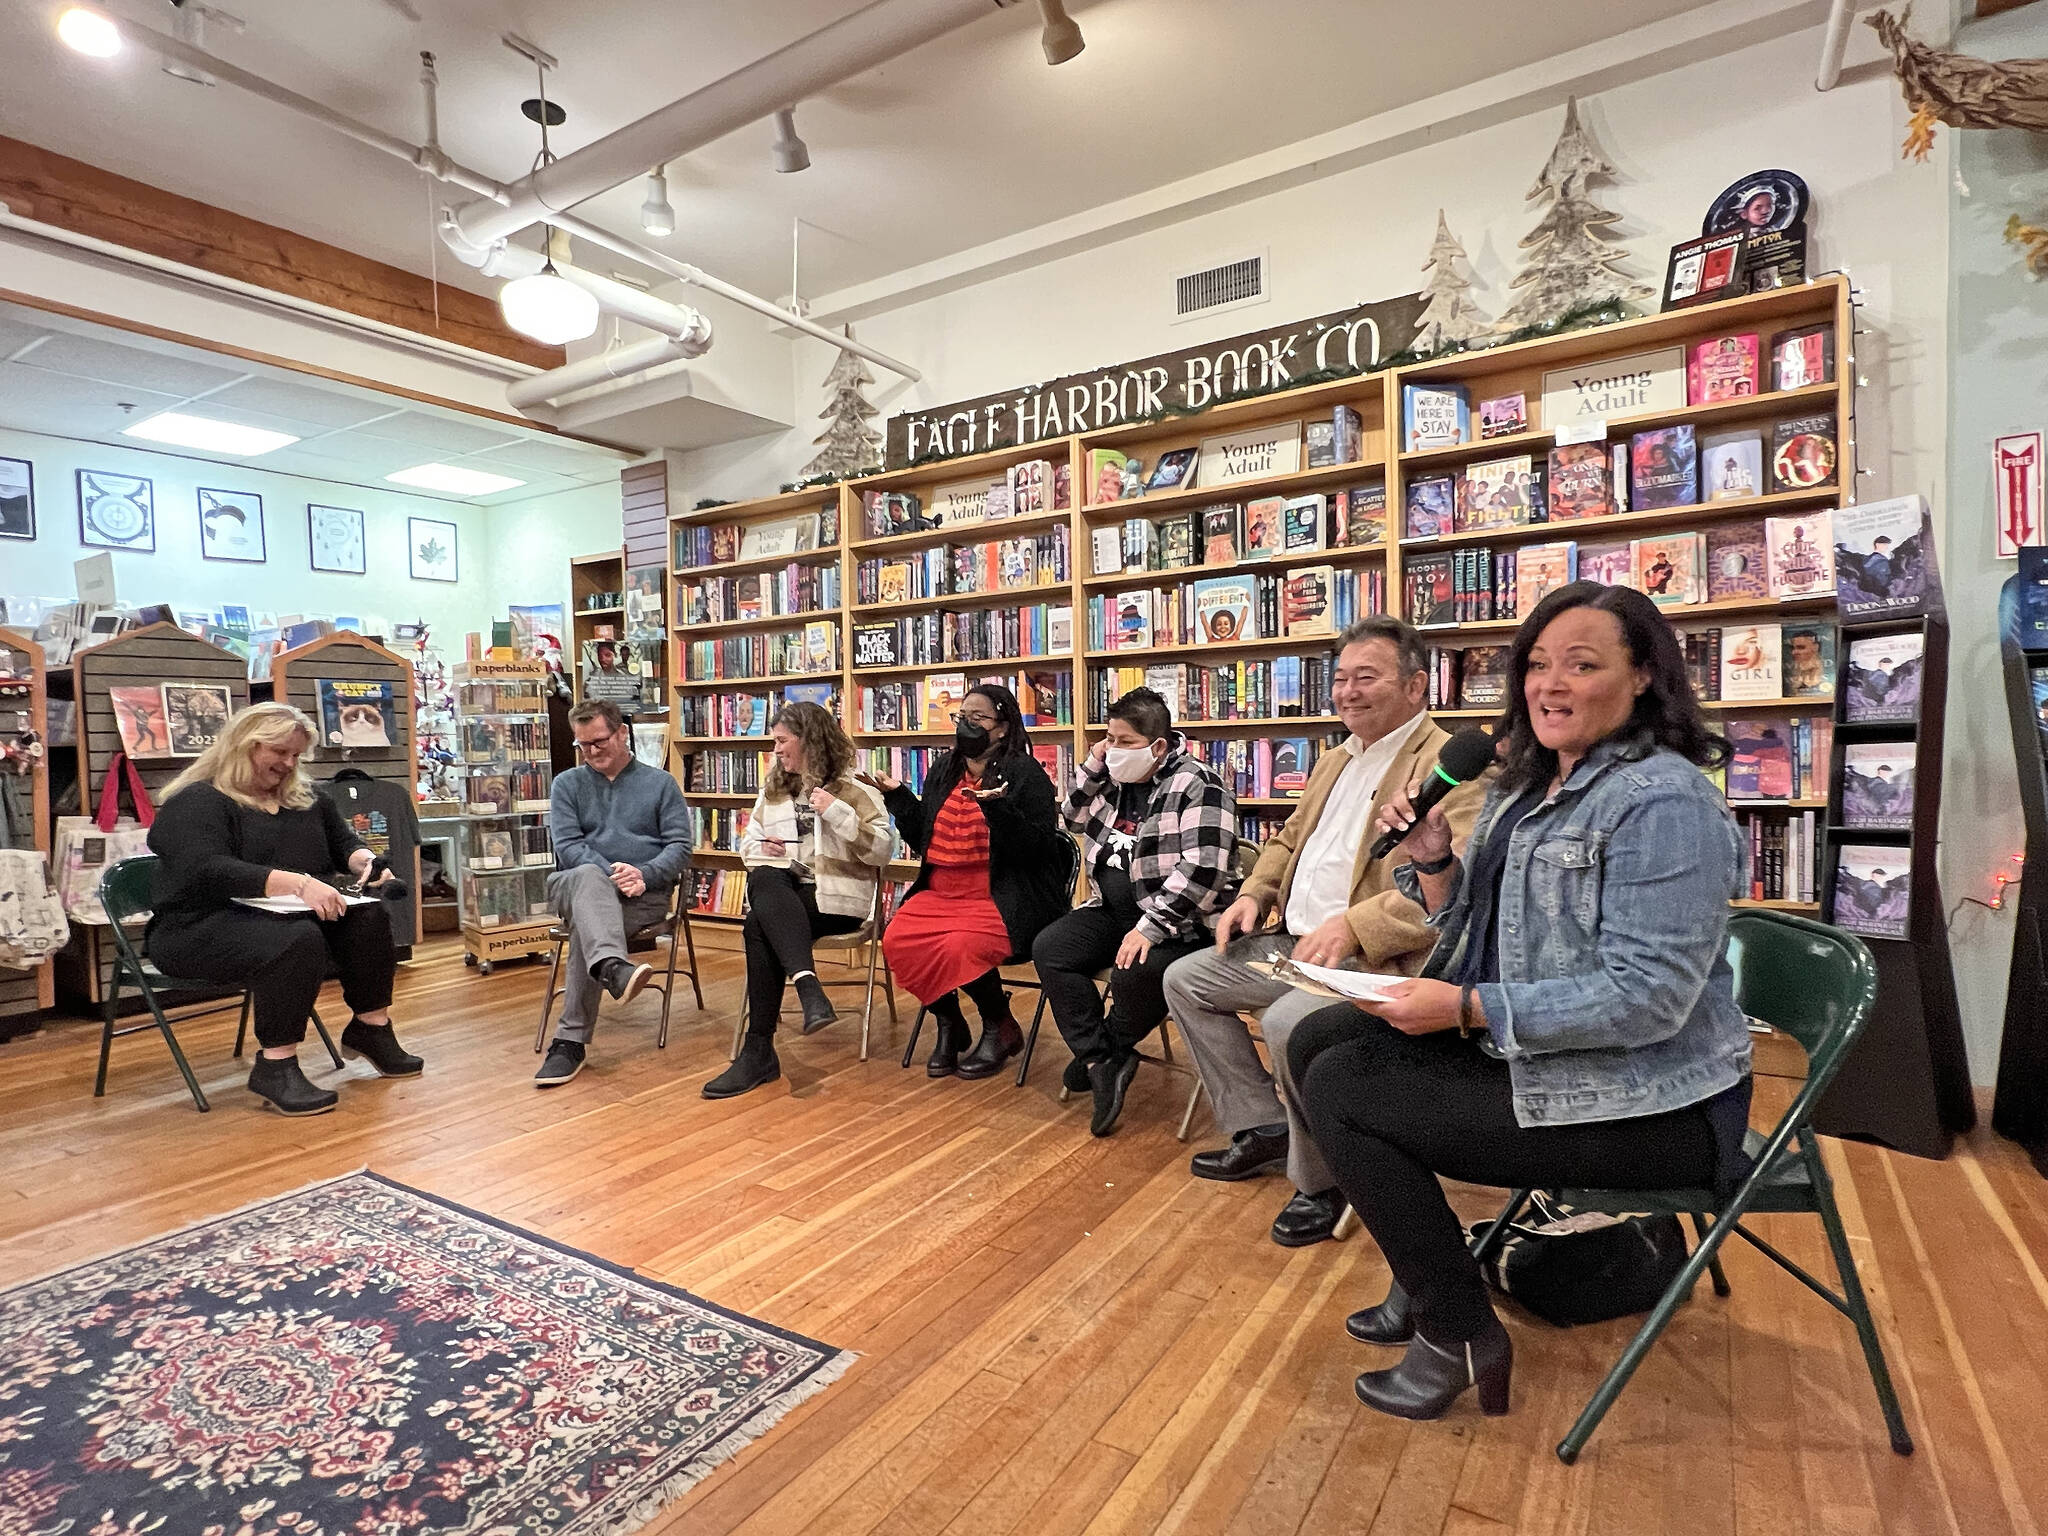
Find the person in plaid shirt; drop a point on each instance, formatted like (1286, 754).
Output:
(1159, 840)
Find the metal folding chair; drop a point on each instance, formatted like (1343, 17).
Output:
(675, 925)
(868, 933)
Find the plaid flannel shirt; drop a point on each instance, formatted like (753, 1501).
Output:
(1184, 867)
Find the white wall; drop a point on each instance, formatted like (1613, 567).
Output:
(286, 583)
(532, 542)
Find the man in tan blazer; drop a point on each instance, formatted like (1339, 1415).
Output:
(1333, 905)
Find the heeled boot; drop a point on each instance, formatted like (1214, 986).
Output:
(1000, 1040)
(1387, 1323)
(951, 1041)
(1431, 1377)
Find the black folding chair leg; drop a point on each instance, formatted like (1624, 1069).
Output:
(177, 1052)
(916, 1027)
(690, 940)
(1856, 1304)
(1699, 1230)
(1491, 1239)
(242, 1029)
(668, 989)
(326, 1039)
(1031, 1039)
(99, 1083)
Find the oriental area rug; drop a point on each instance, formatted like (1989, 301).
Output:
(362, 1359)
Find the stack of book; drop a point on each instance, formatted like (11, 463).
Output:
(795, 589)
(724, 771)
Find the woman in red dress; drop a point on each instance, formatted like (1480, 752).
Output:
(994, 873)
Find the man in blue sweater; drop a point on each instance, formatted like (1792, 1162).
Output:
(622, 841)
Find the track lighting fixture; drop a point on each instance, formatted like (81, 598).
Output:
(657, 216)
(791, 153)
(89, 32)
(1061, 38)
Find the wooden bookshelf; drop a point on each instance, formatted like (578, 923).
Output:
(590, 576)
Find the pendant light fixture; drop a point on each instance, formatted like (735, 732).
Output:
(546, 305)
(657, 215)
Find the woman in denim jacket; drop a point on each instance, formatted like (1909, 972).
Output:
(1576, 1023)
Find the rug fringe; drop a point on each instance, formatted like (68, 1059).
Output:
(191, 1226)
(645, 1509)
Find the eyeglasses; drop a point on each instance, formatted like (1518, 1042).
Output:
(596, 741)
(986, 722)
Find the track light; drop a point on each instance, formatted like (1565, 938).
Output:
(548, 307)
(657, 217)
(791, 153)
(89, 32)
(1061, 38)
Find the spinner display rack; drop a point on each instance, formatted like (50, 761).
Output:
(505, 853)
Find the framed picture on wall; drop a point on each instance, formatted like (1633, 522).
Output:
(116, 511)
(231, 526)
(335, 536)
(17, 499)
(430, 547)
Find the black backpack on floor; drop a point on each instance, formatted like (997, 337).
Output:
(1585, 1267)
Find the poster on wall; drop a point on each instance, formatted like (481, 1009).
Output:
(430, 548)
(335, 537)
(2016, 479)
(231, 526)
(116, 511)
(17, 499)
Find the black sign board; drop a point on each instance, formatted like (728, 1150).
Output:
(1349, 341)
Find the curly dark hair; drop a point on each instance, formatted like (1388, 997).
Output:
(1666, 714)
(827, 752)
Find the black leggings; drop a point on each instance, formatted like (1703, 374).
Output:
(1392, 1111)
(283, 961)
(782, 920)
(990, 1001)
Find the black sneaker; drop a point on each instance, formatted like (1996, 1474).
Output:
(378, 1045)
(565, 1060)
(279, 1083)
(624, 979)
(755, 1065)
(1075, 1078)
(1111, 1080)
(818, 1009)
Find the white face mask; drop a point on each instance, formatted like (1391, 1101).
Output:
(1129, 765)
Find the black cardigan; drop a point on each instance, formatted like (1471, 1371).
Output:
(1027, 866)
(215, 849)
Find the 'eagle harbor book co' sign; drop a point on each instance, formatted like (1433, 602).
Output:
(1349, 341)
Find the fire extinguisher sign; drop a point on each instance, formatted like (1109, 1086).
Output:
(2016, 477)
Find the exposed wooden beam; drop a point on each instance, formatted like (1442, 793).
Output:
(1994, 7)
(53, 189)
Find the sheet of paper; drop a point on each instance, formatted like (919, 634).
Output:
(1361, 986)
(294, 904)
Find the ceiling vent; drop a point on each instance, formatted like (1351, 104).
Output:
(1227, 285)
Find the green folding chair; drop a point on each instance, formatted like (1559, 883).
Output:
(128, 891)
(1817, 984)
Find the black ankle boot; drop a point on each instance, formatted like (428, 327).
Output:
(378, 1045)
(1430, 1377)
(818, 1009)
(1000, 1040)
(755, 1065)
(278, 1081)
(946, 1049)
(1387, 1323)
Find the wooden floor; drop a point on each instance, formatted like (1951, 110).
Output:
(1059, 1334)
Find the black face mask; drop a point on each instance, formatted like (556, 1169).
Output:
(971, 740)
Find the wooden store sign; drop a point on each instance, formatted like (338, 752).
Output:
(1349, 341)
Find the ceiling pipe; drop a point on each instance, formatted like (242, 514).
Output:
(869, 37)
(634, 357)
(1834, 44)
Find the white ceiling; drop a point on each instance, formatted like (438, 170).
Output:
(967, 140)
(71, 378)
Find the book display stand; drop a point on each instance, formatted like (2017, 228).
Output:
(1907, 1082)
(385, 679)
(2019, 1107)
(597, 602)
(23, 710)
(504, 852)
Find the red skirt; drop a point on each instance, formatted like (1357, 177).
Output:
(947, 934)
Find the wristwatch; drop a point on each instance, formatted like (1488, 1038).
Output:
(1437, 868)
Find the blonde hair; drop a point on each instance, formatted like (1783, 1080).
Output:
(228, 764)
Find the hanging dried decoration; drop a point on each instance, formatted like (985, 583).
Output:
(1959, 90)
(1572, 259)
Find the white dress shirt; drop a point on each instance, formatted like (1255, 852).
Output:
(1322, 876)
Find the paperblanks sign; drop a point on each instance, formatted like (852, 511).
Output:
(1348, 341)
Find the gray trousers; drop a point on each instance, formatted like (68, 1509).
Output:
(1204, 994)
(599, 919)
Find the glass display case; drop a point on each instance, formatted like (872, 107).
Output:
(503, 774)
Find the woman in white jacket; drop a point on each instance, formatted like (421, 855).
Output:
(812, 845)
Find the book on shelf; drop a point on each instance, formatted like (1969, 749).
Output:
(1496, 494)
(1140, 544)
(1483, 673)
(1222, 534)
(1881, 680)
(1801, 555)
(1722, 368)
(1225, 610)
(944, 692)
(1359, 516)
(1732, 464)
(1302, 524)
(1130, 625)
(1105, 475)
(1265, 523)
(1106, 550)
(1581, 482)
(1307, 606)
(995, 506)
(1540, 569)
(1752, 662)
(1428, 580)
(1503, 416)
(1031, 488)
(1430, 506)
(1612, 563)
(1174, 471)
(1809, 661)
(1803, 453)
(1252, 453)
(1179, 542)
(1884, 559)
(1761, 768)
(1873, 890)
(1877, 785)
(1669, 569)
(1334, 441)
(1664, 468)
(1620, 473)
(1802, 356)
(1435, 415)
(1736, 565)
(875, 645)
(1062, 485)
(887, 513)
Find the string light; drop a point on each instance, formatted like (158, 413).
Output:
(2000, 879)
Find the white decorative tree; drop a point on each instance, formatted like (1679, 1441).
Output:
(1450, 315)
(848, 444)
(1572, 260)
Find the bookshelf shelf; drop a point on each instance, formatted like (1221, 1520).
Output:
(760, 508)
(1776, 906)
(743, 796)
(1188, 498)
(960, 533)
(1579, 529)
(1343, 554)
(826, 556)
(1272, 722)
(716, 741)
(1676, 615)
(742, 626)
(1299, 642)
(691, 683)
(582, 613)
(995, 664)
(1054, 593)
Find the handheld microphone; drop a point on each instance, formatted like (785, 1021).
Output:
(1465, 756)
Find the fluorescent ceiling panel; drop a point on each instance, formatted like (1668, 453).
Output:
(453, 479)
(208, 435)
